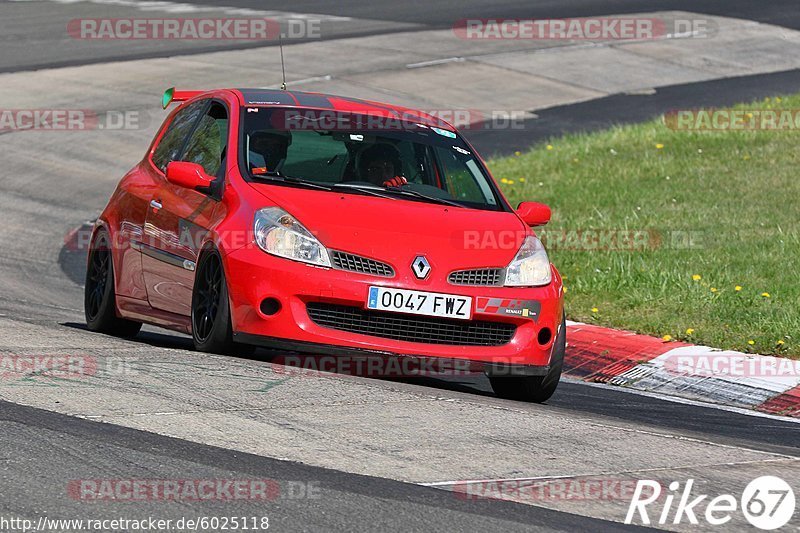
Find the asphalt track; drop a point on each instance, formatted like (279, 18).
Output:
(442, 14)
(32, 32)
(40, 446)
(49, 187)
(622, 109)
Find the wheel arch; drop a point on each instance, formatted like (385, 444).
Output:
(103, 225)
(212, 245)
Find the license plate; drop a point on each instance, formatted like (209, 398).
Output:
(420, 303)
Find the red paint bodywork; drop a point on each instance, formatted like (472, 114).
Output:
(392, 231)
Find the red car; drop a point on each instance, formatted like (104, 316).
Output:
(330, 225)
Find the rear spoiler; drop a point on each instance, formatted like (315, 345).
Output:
(171, 95)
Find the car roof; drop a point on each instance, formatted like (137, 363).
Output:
(311, 100)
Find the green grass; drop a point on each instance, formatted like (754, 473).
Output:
(736, 193)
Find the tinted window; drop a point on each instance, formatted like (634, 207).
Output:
(207, 145)
(171, 143)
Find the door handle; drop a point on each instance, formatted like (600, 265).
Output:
(155, 204)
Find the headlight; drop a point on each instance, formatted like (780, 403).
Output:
(279, 233)
(530, 267)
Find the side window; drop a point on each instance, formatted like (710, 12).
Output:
(207, 145)
(170, 145)
(460, 178)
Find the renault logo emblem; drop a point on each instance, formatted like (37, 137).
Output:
(421, 267)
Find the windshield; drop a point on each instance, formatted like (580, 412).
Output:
(353, 152)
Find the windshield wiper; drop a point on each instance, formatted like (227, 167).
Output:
(291, 179)
(380, 192)
(434, 199)
(372, 191)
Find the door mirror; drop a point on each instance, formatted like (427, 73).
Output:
(189, 175)
(534, 213)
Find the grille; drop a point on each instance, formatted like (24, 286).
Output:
(411, 328)
(356, 263)
(481, 276)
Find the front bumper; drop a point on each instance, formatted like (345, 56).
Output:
(253, 276)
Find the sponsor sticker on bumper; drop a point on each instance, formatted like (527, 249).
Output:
(509, 306)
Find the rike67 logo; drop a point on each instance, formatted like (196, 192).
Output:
(767, 502)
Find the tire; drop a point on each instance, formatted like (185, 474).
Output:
(212, 331)
(99, 296)
(536, 389)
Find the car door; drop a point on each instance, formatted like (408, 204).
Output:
(131, 200)
(178, 218)
(137, 190)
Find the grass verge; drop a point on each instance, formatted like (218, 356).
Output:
(687, 234)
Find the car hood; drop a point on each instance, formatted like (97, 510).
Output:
(397, 230)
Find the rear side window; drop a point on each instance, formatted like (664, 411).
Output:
(207, 145)
(170, 145)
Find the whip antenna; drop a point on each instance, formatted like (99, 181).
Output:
(283, 68)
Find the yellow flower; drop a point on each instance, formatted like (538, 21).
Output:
(503, 180)
(522, 180)
(595, 310)
(511, 182)
(666, 338)
(549, 146)
(751, 342)
(697, 277)
(713, 289)
(565, 290)
(517, 153)
(659, 146)
(737, 288)
(689, 331)
(765, 294)
(780, 342)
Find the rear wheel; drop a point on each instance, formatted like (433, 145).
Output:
(535, 389)
(211, 316)
(99, 297)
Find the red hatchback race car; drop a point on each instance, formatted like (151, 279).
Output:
(329, 225)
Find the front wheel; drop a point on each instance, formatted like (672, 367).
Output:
(99, 296)
(535, 389)
(211, 315)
